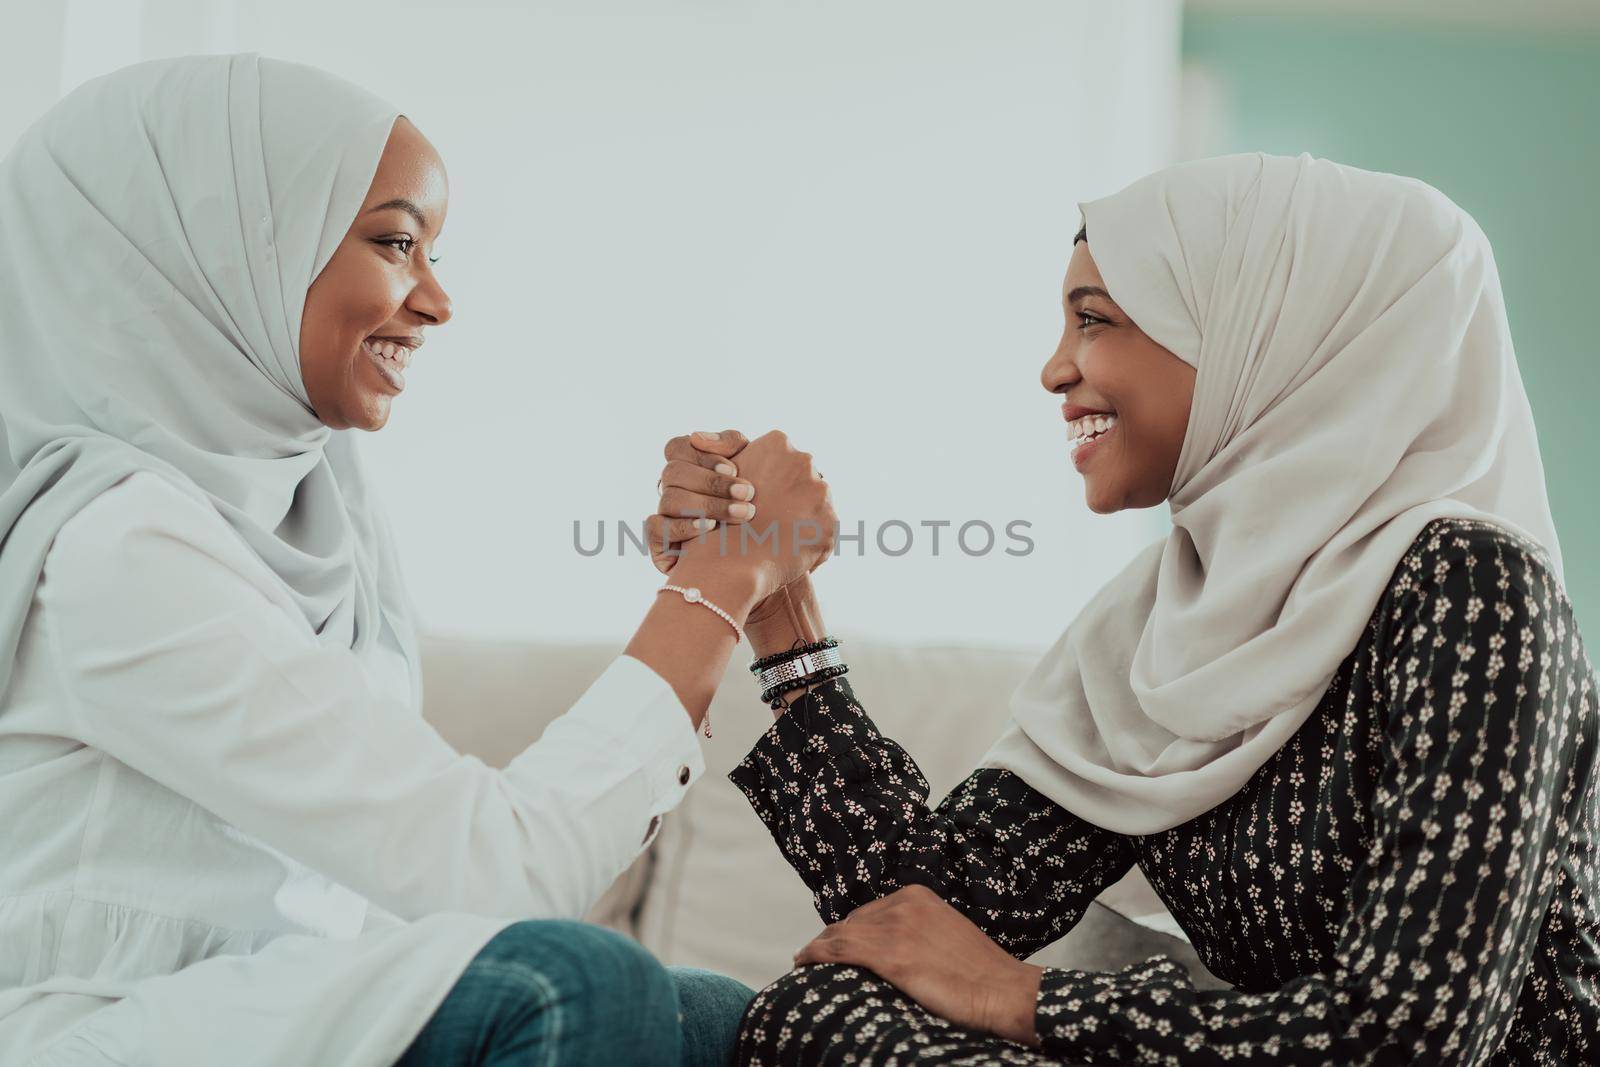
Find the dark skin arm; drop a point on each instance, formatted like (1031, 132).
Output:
(700, 487)
(685, 643)
(911, 938)
(688, 645)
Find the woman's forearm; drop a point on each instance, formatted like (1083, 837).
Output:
(688, 645)
(791, 616)
(848, 808)
(788, 617)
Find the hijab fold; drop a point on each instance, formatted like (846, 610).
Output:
(163, 225)
(1355, 380)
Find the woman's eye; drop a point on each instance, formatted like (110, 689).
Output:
(1086, 320)
(408, 242)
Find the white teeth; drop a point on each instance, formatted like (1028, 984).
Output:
(399, 355)
(1086, 427)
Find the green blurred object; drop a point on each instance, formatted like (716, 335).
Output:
(1505, 123)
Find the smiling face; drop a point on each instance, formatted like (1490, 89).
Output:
(378, 285)
(1106, 363)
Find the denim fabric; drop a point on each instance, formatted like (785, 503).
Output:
(710, 1006)
(570, 994)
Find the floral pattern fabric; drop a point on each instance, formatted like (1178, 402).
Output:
(1413, 878)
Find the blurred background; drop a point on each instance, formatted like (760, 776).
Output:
(850, 220)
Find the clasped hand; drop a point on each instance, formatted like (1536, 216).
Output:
(765, 489)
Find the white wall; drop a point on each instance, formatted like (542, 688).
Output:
(844, 218)
(30, 63)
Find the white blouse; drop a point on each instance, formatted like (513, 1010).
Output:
(225, 842)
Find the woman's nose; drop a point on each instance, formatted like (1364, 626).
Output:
(429, 299)
(1059, 371)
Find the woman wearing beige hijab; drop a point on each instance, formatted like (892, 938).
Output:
(1341, 716)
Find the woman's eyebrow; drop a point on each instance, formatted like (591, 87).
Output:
(404, 205)
(1087, 290)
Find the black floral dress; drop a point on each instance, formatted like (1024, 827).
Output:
(1413, 878)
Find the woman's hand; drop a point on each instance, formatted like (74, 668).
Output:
(794, 525)
(699, 488)
(788, 617)
(937, 957)
(702, 487)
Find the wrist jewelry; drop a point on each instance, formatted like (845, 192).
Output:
(799, 664)
(774, 697)
(797, 667)
(693, 596)
(757, 666)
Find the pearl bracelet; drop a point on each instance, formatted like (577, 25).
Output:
(693, 596)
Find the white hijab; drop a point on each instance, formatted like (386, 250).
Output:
(1354, 381)
(162, 226)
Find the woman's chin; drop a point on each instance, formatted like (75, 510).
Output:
(376, 414)
(369, 412)
(1098, 495)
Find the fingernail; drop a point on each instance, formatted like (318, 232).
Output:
(742, 491)
(704, 524)
(742, 511)
(727, 468)
(712, 436)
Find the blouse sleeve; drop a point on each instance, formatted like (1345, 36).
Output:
(848, 809)
(177, 657)
(1488, 756)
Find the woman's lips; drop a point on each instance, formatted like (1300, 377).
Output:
(390, 359)
(1084, 452)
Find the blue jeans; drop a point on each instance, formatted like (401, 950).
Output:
(569, 994)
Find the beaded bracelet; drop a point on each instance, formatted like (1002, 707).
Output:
(757, 666)
(798, 666)
(770, 696)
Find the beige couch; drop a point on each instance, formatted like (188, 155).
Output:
(713, 890)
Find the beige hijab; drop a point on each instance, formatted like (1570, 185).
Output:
(162, 225)
(1355, 380)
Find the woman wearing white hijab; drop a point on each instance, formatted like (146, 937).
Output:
(229, 836)
(1341, 716)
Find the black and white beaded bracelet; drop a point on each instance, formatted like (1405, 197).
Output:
(793, 668)
(773, 697)
(798, 664)
(757, 666)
